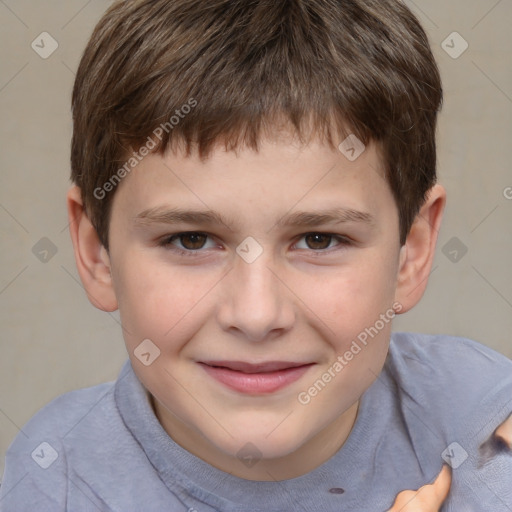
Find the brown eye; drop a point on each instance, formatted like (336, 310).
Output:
(318, 241)
(323, 243)
(192, 241)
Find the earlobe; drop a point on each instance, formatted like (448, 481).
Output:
(92, 259)
(417, 255)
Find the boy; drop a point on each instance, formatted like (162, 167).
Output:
(216, 145)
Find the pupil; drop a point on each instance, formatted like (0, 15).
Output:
(194, 237)
(314, 241)
(316, 237)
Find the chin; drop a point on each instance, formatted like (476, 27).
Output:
(279, 443)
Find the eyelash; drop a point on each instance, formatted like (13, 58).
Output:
(167, 242)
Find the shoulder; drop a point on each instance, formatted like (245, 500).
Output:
(36, 472)
(442, 359)
(455, 378)
(77, 452)
(441, 346)
(64, 412)
(460, 391)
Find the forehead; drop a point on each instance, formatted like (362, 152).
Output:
(281, 176)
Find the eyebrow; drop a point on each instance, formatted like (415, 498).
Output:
(161, 215)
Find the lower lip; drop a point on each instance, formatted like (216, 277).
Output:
(256, 383)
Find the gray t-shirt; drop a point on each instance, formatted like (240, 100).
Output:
(437, 399)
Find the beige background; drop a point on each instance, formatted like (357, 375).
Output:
(53, 340)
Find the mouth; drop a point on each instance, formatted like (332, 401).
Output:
(259, 378)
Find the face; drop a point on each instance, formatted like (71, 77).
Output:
(271, 313)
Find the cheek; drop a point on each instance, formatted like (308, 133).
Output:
(159, 302)
(349, 299)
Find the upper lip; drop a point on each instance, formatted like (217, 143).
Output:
(268, 366)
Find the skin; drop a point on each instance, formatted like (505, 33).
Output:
(301, 300)
(428, 498)
(504, 433)
(500, 441)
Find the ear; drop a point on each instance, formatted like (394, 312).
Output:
(92, 259)
(417, 254)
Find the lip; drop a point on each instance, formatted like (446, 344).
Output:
(259, 378)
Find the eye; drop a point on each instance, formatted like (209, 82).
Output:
(321, 241)
(191, 242)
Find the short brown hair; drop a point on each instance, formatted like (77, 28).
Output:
(322, 65)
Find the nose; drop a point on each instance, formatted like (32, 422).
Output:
(256, 302)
